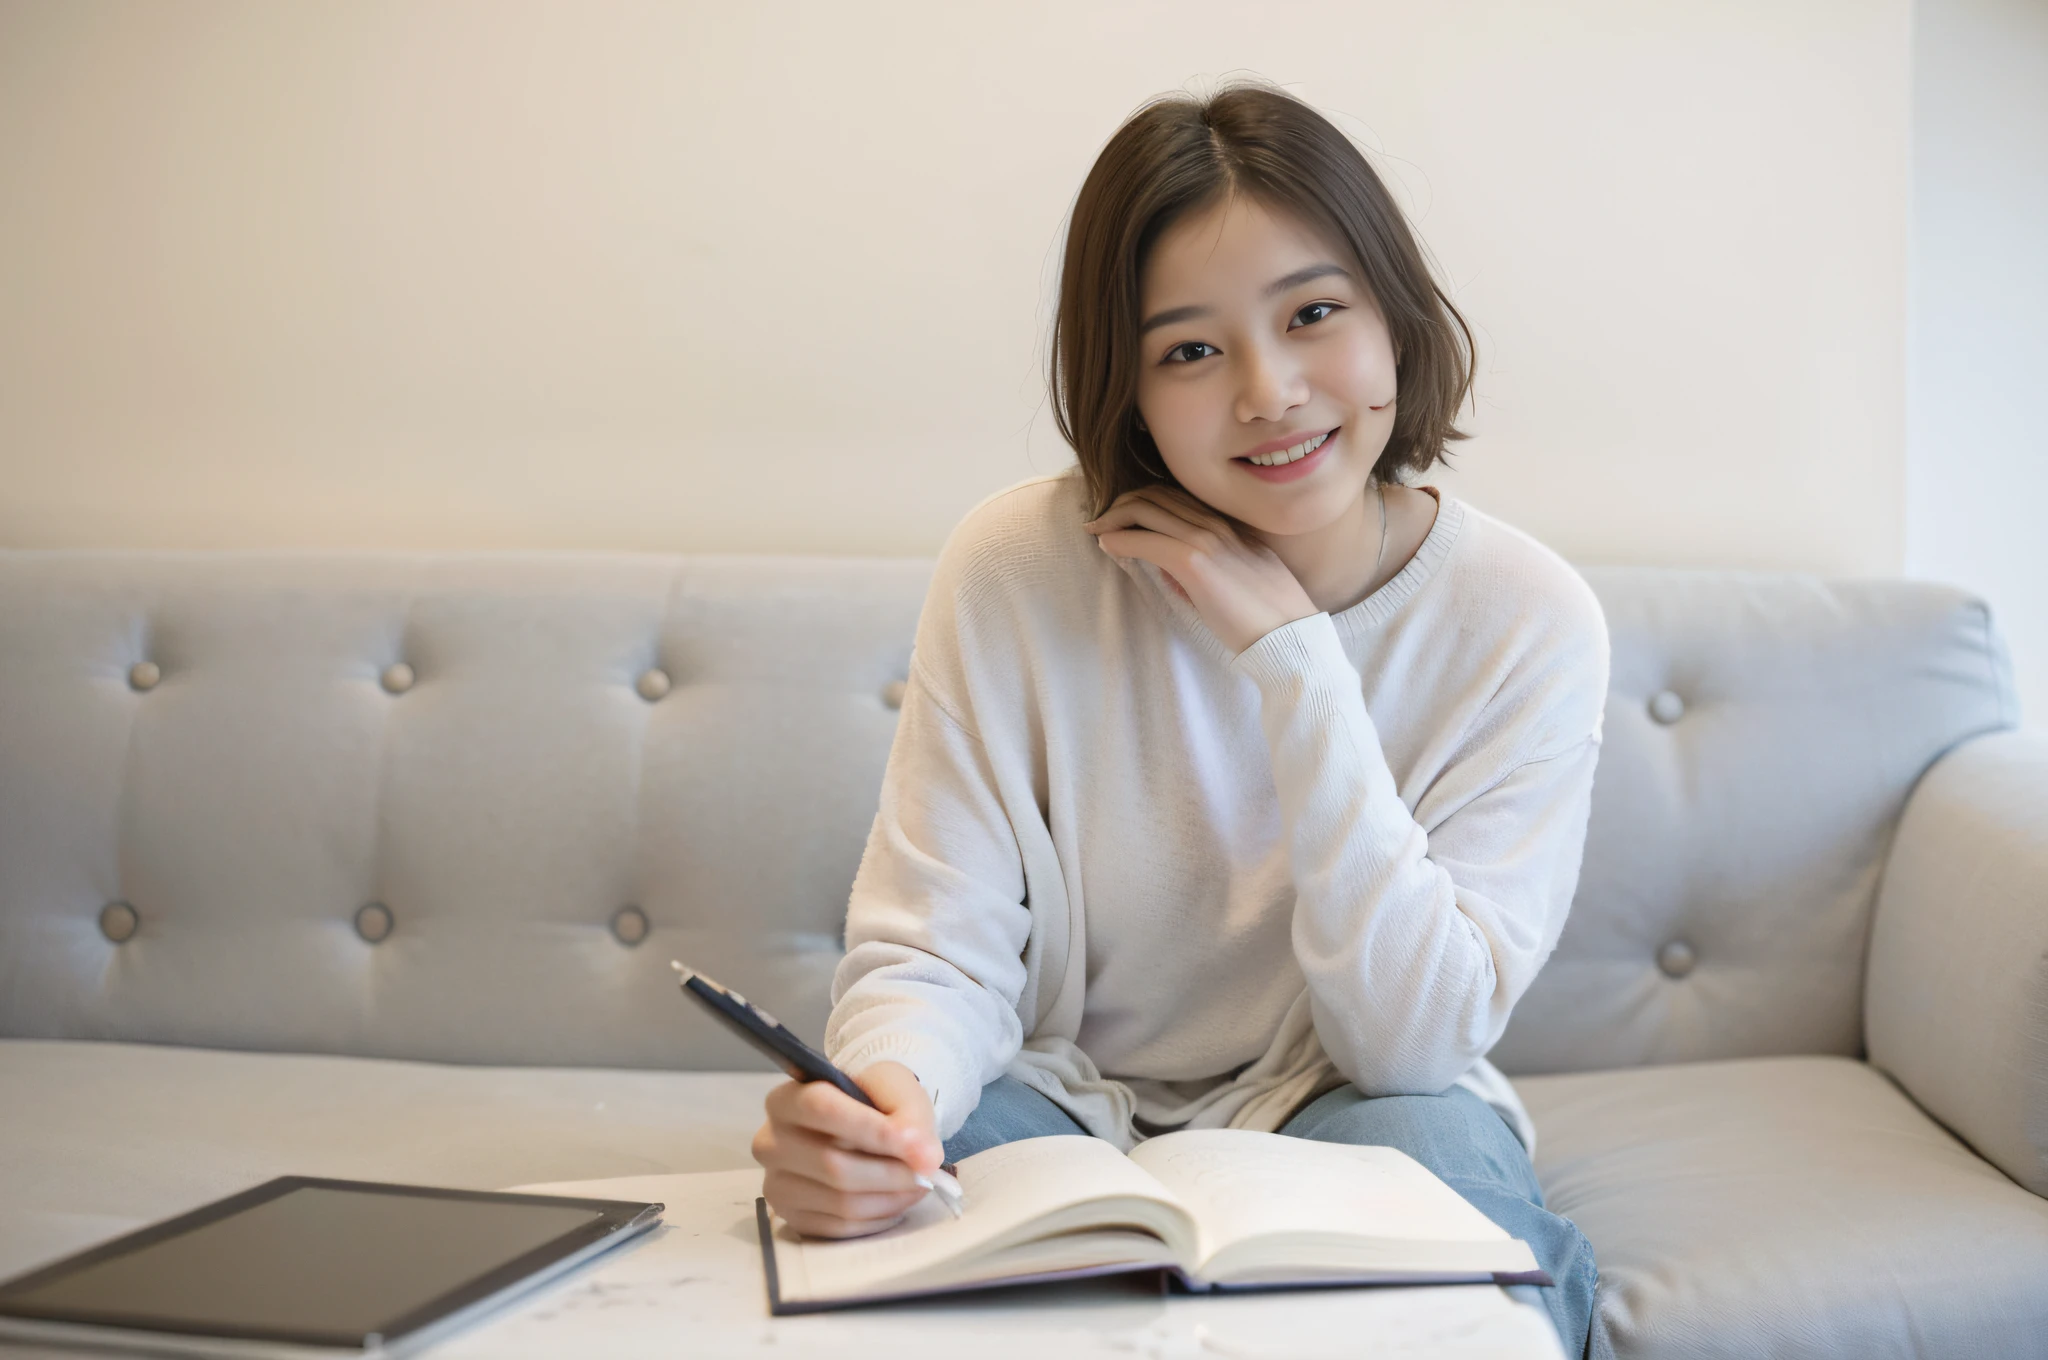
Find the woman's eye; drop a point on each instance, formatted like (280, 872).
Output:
(1184, 353)
(1323, 309)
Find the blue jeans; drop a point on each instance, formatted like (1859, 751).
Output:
(1456, 1135)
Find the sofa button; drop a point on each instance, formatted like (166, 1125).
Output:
(892, 693)
(397, 678)
(1667, 707)
(1676, 959)
(373, 922)
(118, 921)
(143, 675)
(630, 925)
(653, 684)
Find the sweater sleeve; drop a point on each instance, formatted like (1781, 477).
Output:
(936, 924)
(1416, 941)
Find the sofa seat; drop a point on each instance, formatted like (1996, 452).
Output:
(98, 1138)
(1794, 1206)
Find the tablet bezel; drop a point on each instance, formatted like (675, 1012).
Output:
(614, 1217)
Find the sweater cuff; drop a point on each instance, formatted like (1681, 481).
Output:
(1306, 649)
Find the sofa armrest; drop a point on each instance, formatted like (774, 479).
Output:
(1955, 1003)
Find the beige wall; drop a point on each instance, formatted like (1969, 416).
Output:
(772, 276)
(1977, 449)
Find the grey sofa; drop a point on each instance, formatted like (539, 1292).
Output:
(371, 866)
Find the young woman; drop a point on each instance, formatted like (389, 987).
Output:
(1237, 782)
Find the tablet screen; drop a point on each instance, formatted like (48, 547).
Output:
(320, 1261)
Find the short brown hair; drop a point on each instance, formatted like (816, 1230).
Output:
(1178, 154)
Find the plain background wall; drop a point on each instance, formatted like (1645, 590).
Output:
(773, 276)
(776, 276)
(1977, 484)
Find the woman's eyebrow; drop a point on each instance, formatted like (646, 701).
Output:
(1273, 289)
(1301, 276)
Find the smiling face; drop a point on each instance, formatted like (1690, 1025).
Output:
(1265, 371)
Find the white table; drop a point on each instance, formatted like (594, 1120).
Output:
(694, 1287)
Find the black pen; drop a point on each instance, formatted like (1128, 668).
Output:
(794, 1056)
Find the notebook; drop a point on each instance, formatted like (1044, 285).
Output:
(1217, 1208)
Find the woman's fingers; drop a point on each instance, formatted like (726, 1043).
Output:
(1141, 514)
(817, 1158)
(1174, 514)
(1135, 507)
(913, 1128)
(838, 1167)
(823, 1109)
(814, 1225)
(1186, 552)
(1180, 504)
(820, 1210)
(1168, 554)
(1188, 507)
(821, 1131)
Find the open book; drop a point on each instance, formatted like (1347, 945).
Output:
(1221, 1208)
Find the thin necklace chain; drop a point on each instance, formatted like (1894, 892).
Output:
(1381, 557)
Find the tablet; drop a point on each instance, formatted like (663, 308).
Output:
(302, 1266)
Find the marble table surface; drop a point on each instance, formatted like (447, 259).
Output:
(694, 1287)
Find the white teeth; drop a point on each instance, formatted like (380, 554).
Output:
(1299, 451)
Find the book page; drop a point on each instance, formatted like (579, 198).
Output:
(1019, 1192)
(1243, 1185)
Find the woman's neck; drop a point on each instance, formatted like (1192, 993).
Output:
(1335, 563)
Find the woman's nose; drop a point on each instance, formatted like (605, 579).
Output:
(1271, 385)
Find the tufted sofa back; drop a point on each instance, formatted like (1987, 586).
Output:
(1761, 736)
(465, 808)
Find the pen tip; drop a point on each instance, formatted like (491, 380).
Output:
(682, 974)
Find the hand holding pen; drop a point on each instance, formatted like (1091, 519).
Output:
(843, 1158)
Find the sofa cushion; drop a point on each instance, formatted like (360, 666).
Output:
(1788, 1207)
(501, 800)
(96, 1139)
(1763, 731)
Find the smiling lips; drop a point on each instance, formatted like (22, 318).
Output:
(1289, 462)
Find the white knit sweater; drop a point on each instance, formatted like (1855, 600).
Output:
(1152, 879)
